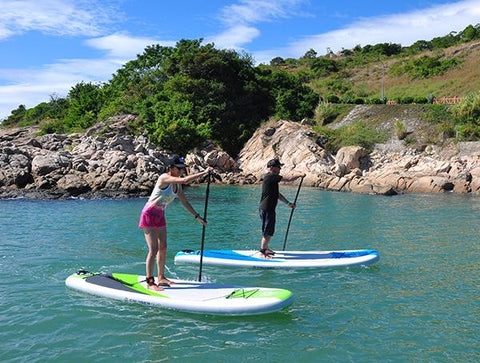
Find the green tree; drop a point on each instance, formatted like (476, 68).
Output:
(293, 100)
(196, 92)
(310, 54)
(277, 61)
(469, 33)
(84, 102)
(324, 66)
(16, 116)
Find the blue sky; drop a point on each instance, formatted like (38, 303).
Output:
(48, 46)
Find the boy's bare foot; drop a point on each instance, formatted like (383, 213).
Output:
(265, 254)
(268, 251)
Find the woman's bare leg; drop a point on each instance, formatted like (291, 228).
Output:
(162, 255)
(151, 237)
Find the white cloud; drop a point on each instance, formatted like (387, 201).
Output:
(241, 17)
(234, 37)
(398, 28)
(124, 46)
(67, 17)
(58, 17)
(254, 11)
(32, 86)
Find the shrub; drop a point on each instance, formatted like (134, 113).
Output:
(325, 113)
(49, 126)
(405, 100)
(347, 97)
(323, 66)
(331, 98)
(425, 66)
(374, 101)
(338, 85)
(467, 113)
(468, 108)
(360, 133)
(400, 130)
(420, 100)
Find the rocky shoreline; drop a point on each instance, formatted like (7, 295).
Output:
(108, 162)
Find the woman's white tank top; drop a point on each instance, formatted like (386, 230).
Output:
(162, 197)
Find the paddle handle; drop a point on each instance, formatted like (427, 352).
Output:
(207, 193)
(291, 214)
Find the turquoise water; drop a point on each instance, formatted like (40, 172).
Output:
(420, 302)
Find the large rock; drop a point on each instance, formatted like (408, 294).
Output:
(294, 144)
(74, 184)
(350, 158)
(45, 164)
(107, 161)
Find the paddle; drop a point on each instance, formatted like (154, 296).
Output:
(291, 213)
(204, 227)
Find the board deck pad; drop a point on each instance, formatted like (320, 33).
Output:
(187, 296)
(281, 259)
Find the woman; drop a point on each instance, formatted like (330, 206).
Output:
(152, 220)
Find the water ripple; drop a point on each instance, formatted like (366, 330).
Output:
(418, 303)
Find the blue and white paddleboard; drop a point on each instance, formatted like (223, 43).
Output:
(281, 259)
(187, 296)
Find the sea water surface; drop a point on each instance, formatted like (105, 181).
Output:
(419, 303)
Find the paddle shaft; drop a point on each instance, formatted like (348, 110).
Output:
(291, 213)
(207, 193)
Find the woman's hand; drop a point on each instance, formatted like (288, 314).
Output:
(201, 220)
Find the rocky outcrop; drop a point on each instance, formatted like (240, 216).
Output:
(295, 144)
(107, 161)
(387, 170)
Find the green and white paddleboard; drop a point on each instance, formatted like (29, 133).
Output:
(187, 296)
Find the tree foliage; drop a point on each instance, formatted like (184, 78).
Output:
(85, 101)
(324, 66)
(193, 92)
(184, 95)
(425, 66)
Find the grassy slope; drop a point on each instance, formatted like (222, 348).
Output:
(457, 82)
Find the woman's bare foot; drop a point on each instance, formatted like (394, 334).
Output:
(154, 287)
(151, 285)
(165, 282)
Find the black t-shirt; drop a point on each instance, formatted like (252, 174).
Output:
(270, 192)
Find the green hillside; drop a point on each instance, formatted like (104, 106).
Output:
(442, 67)
(193, 92)
(366, 80)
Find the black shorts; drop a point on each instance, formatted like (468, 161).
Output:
(268, 222)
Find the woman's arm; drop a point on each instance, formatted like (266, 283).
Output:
(188, 206)
(169, 179)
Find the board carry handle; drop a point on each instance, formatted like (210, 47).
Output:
(291, 213)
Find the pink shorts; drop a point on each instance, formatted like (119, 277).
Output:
(152, 217)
